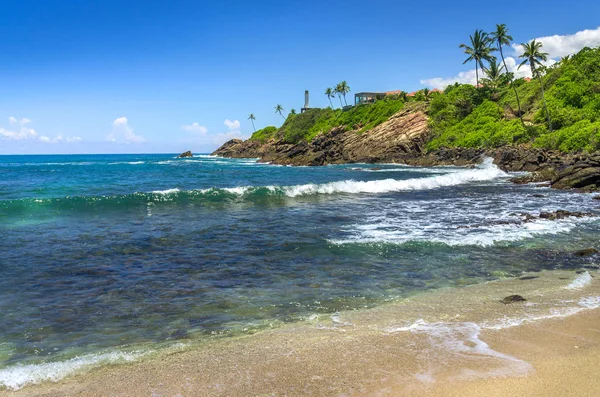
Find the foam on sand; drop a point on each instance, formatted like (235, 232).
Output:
(18, 376)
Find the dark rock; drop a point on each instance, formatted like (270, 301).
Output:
(583, 174)
(537, 195)
(375, 168)
(562, 214)
(186, 154)
(596, 198)
(528, 277)
(586, 252)
(544, 175)
(512, 299)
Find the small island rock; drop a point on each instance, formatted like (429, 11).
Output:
(186, 154)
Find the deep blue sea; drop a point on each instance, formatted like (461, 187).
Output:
(106, 253)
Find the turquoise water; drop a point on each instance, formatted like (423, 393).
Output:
(105, 252)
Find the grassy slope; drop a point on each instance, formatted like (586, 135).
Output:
(466, 117)
(306, 126)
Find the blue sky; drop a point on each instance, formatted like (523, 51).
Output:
(107, 76)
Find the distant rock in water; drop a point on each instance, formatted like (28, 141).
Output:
(186, 154)
(586, 252)
(513, 299)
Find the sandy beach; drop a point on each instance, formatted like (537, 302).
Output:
(368, 353)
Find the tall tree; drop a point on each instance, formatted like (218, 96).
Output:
(338, 91)
(279, 109)
(479, 51)
(533, 55)
(330, 94)
(293, 111)
(502, 38)
(343, 89)
(252, 118)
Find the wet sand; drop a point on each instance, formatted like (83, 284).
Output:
(373, 353)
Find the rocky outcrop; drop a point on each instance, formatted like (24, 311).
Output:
(186, 154)
(402, 136)
(581, 173)
(402, 139)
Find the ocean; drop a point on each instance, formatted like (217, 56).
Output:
(107, 258)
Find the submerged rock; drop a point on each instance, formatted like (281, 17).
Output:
(186, 154)
(562, 214)
(513, 299)
(587, 252)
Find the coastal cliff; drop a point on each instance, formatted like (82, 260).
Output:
(403, 135)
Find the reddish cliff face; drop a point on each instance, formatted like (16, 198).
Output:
(404, 134)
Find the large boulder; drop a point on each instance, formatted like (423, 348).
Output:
(582, 174)
(186, 154)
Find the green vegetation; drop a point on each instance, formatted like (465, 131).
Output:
(264, 134)
(560, 107)
(307, 125)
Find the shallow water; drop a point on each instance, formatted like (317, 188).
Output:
(133, 252)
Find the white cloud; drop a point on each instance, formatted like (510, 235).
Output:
(123, 133)
(220, 139)
(195, 128)
(232, 125)
(556, 46)
(21, 133)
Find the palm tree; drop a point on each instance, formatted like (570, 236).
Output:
(330, 94)
(279, 109)
(344, 89)
(533, 54)
(494, 78)
(293, 111)
(338, 91)
(502, 38)
(252, 118)
(479, 51)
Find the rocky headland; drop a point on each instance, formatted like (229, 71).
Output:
(402, 139)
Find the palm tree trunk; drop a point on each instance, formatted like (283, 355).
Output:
(345, 100)
(253, 125)
(330, 102)
(513, 87)
(341, 104)
(544, 102)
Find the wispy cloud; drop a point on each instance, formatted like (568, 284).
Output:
(19, 131)
(123, 133)
(232, 125)
(195, 128)
(556, 46)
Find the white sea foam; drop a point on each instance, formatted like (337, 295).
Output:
(510, 322)
(462, 339)
(590, 302)
(483, 236)
(580, 281)
(166, 191)
(18, 376)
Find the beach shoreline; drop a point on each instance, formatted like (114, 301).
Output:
(369, 352)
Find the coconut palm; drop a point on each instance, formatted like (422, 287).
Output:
(533, 55)
(343, 89)
(502, 38)
(279, 109)
(479, 51)
(252, 118)
(293, 111)
(494, 76)
(330, 94)
(337, 90)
